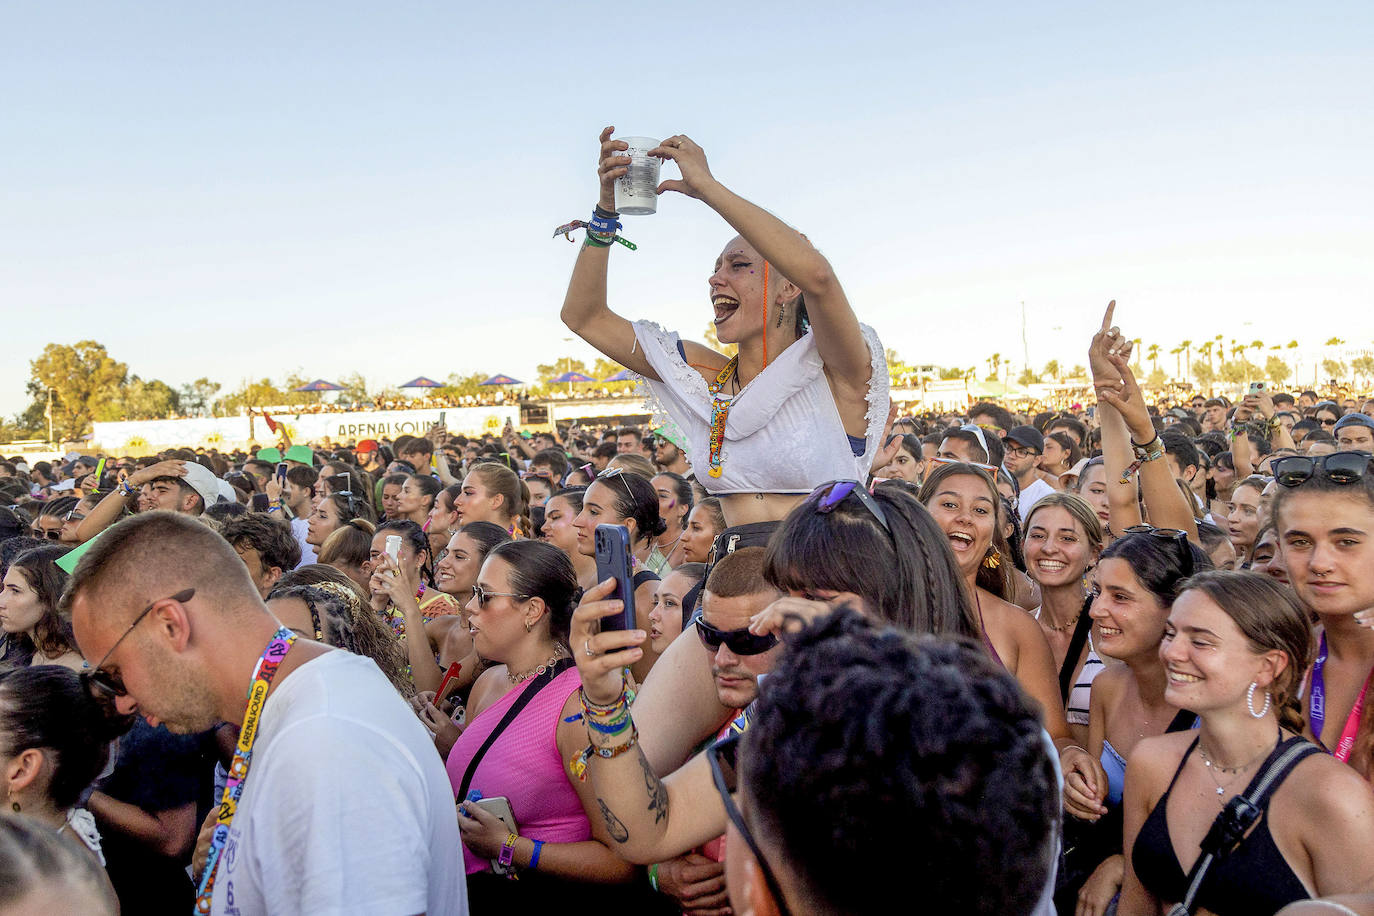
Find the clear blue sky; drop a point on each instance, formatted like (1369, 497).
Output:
(245, 190)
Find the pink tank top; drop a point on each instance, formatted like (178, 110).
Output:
(524, 765)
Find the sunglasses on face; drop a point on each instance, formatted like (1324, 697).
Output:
(106, 685)
(483, 596)
(1338, 467)
(837, 491)
(1176, 536)
(723, 756)
(51, 534)
(741, 642)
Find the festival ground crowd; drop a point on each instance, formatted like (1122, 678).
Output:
(1106, 660)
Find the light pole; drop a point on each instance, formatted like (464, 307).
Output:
(50, 439)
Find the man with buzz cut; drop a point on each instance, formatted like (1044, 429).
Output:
(336, 802)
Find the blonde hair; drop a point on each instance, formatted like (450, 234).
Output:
(1078, 507)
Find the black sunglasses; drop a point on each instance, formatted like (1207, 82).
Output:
(837, 491)
(483, 596)
(105, 685)
(1338, 467)
(1176, 536)
(723, 756)
(740, 642)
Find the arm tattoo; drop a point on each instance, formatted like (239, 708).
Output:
(658, 792)
(614, 825)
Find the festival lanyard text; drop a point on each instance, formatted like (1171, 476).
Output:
(1316, 708)
(243, 756)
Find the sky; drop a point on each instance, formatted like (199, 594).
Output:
(254, 189)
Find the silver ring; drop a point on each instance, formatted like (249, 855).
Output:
(587, 647)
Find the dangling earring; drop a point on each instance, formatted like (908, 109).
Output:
(993, 560)
(528, 626)
(1250, 701)
(782, 310)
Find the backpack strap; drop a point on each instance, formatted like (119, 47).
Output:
(1240, 814)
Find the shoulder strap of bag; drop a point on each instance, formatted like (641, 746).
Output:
(1237, 817)
(538, 684)
(1076, 643)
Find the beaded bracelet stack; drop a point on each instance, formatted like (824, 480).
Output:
(601, 230)
(612, 721)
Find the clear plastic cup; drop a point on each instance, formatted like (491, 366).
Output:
(636, 192)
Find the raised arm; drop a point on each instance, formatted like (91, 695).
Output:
(1164, 501)
(838, 339)
(111, 509)
(650, 819)
(585, 311)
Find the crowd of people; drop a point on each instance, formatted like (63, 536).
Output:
(1111, 660)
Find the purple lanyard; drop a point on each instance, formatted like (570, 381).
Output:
(1316, 708)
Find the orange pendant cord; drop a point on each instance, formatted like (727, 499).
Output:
(765, 314)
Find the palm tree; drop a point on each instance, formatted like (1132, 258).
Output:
(1153, 354)
(1187, 346)
(1206, 350)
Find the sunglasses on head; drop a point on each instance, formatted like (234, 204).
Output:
(740, 642)
(611, 473)
(1338, 467)
(1176, 536)
(723, 757)
(837, 491)
(991, 469)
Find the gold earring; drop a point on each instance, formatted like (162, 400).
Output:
(993, 560)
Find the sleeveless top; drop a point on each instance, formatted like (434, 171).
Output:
(783, 434)
(1253, 878)
(525, 766)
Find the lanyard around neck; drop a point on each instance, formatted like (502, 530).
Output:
(243, 756)
(1316, 708)
(720, 412)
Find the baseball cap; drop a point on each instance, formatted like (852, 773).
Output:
(1354, 419)
(302, 453)
(1077, 470)
(203, 481)
(1027, 437)
(365, 446)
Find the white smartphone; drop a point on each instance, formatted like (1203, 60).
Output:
(499, 805)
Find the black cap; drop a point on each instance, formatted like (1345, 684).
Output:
(1028, 437)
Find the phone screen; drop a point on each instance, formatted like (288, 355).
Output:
(281, 472)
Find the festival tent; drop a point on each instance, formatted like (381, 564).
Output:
(423, 381)
(571, 377)
(502, 380)
(624, 375)
(319, 385)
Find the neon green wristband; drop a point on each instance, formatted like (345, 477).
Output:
(653, 876)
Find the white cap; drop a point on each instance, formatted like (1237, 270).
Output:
(203, 481)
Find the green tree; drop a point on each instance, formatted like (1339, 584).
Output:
(1277, 370)
(1363, 366)
(951, 373)
(198, 396)
(994, 366)
(1157, 379)
(545, 372)
(1239, 371)
(1335, 369)
(82, 378)
(1027, 377)
(1203, 371)
(1152, 354)
(354, 389)
(1052, 369)
(139, 400)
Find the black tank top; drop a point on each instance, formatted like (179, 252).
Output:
(1253, 879)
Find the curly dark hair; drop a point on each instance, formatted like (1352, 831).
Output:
(911, 759)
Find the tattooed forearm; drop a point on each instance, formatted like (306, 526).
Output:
(614, 825)
(658, 792)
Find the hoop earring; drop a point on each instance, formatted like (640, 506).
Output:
(993, 560)
(1250, 701)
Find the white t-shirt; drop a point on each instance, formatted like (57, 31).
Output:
(347, 808)
(300, 527)
(1031, 495)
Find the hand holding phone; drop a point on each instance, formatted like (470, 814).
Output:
(281, 472)
(613, 562)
